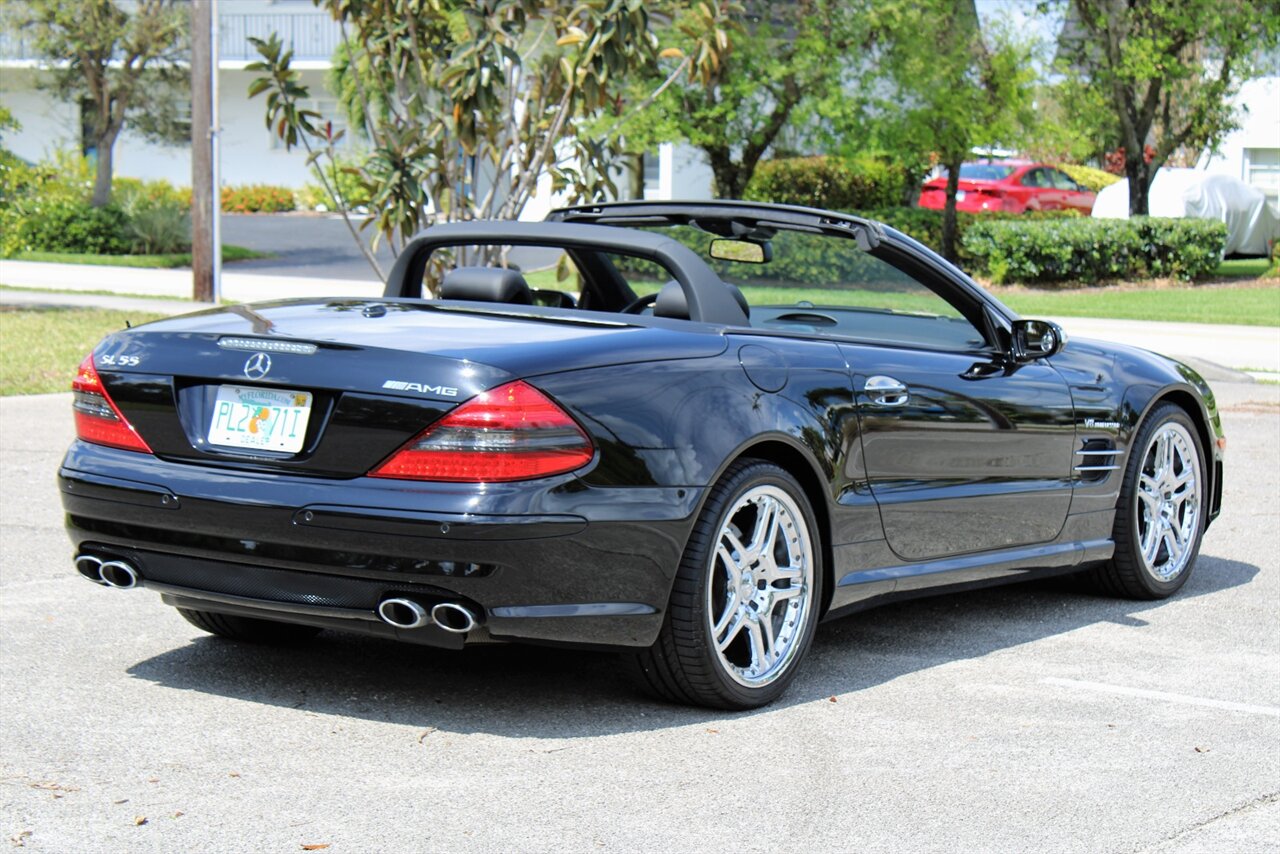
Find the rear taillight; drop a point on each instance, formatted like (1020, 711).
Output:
(97, 418)
(514, 432)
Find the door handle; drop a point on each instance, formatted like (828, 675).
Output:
(886, 391)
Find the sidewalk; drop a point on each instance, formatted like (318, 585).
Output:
(1207, 347)
(134, 281)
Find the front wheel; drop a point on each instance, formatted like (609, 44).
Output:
(746, 596)
(1160, 515)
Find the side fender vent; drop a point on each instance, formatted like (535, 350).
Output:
(1096, 459)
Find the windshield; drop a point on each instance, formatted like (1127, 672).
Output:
(804, 267)
(826, 285)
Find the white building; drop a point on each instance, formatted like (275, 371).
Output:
(1252, 153)
(250, 153)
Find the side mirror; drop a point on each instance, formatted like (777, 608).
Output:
(1036, 339)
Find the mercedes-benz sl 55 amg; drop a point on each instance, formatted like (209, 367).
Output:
(631, 456)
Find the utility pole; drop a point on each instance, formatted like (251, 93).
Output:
(205, 196)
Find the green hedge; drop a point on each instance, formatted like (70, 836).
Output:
(1095, 250)
(834, 183)
(66, 226)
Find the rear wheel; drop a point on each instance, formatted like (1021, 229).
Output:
(745, 601)
(1160, 515)
(248, 628)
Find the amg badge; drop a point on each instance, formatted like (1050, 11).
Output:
(442, 390)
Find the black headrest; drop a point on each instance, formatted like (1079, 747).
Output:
(486, 284)
(671, 301)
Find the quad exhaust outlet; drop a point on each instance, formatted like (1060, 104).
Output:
(403, 613)
(109, 573)
(453, 617)
(408, 614)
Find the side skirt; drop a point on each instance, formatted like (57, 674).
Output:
(965, 572)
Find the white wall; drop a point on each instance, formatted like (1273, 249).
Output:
(1259, 129)
(247, 154)
(47, 124)
(685, 173)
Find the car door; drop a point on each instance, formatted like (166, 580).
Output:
(1074, 196)
(1043, 196)
(964, 449)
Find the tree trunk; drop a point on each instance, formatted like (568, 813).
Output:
(102, 178)
(1140, 175)
(949, 211)
(726, 174)
(635, 174)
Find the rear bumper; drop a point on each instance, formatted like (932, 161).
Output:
(549, 561)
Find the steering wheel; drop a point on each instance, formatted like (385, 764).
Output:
(639, 305)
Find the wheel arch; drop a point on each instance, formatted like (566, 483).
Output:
(1187, 400)
(792, 457)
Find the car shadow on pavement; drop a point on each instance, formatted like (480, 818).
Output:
(526, 691)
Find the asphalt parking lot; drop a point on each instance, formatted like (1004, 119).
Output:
(1023, 718)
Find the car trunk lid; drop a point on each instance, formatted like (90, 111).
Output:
(332, 387)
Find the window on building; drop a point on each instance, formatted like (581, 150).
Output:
(652, 174)
(1262, 169)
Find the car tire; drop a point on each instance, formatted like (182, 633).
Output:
(1160, 515)
(248, 628)
(715, 649)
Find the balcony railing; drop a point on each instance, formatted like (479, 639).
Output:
(312, 37)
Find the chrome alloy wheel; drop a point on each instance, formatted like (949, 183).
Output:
(1168, 501)
(760, 585)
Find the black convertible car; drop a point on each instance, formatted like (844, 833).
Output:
(635, 459)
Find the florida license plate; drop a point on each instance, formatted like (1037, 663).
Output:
(260, 419)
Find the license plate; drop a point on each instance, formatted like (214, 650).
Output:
(260, 419)
(959, 195)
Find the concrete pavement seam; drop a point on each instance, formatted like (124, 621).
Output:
(1247, 806)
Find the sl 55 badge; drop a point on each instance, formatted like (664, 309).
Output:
(122, 361)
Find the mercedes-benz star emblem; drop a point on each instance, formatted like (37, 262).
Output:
(257, 366)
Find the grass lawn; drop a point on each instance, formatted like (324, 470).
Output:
(177, 259)
(1243, 305)
(1253, 268)
(40, 349)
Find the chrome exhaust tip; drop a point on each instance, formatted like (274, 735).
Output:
(403, 613)
(118, 574)
(453, 617)
(90, 567)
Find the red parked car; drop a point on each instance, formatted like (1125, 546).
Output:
(1009, 185)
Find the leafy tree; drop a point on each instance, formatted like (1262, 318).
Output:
(466, 106)
(783, 59)
(952, 87)
(1169, 69)
(126, 62)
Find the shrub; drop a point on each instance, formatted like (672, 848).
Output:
(159, 226)
(1094, 250)
(69, 226)
(127, 192)
(925, 224)
(257, 198)
(863, 181)
(345, 179)
(1091, 179)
